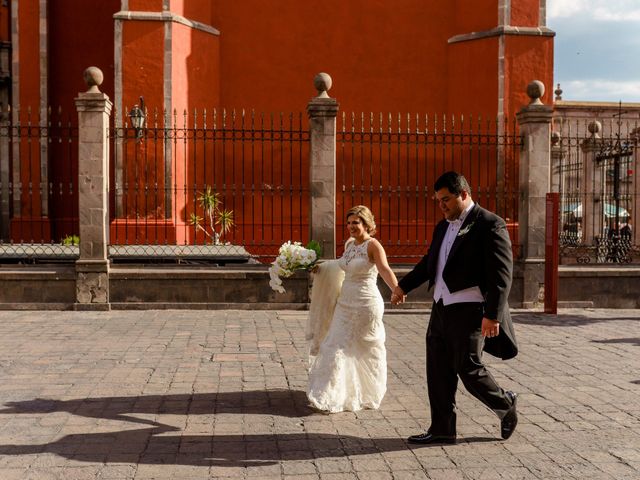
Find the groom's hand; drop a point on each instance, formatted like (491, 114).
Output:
(490, 328)
(397, 296)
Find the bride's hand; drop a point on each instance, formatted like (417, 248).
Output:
(398, 296)
(315, 268)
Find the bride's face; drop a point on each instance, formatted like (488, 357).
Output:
(356, 227)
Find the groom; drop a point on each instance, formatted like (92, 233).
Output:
(470, 265)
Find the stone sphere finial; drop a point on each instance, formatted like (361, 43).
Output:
(558, 92)
(322, 82)
(93, 77)
(595, 128)
(535, 90)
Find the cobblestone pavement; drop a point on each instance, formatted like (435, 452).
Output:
(215, 394)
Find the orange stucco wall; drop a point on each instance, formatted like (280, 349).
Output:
(527, 59)
(194, 85)
(473, 78)
(146, 5)
(379, 61)
(143, 69)
(142, 63)
(525, 13)
(64, 82)
(198, 10)
(383, 57)
(475, 16)
(28, 224)
(69, 55)
(480, 16)
(5, 23)
(29, 54)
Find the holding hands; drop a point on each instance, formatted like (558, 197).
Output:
(397, 295)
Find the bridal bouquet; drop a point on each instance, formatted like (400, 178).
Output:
(291, 257)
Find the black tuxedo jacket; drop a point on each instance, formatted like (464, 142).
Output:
(480, 256)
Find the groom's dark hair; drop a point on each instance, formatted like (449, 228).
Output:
(454, 182)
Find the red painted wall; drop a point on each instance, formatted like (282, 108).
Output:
(75, 44)
(5, 23)
(142, 63)
(383, 57)
(527, 59)
(473, 78)
(65, 81)
(379, 61)
(194, 87)
(525, 13)
(198, 10)
(29, 54)
(28, 224)
(146, 5)
(475, 16)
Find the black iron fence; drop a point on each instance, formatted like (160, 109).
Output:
(218, 185)
(225, 184)
(233, 185)
(595, 171)
(38, 183)
(390, 163)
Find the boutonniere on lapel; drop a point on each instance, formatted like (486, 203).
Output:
(465, 230)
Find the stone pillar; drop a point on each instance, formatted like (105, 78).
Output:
(322, 112)
(591, 187)
(92, 268)
(535, 178)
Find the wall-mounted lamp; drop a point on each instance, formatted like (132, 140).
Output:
(138, 118)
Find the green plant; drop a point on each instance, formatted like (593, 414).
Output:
(71, 240)
(211, 205)
(316, 247)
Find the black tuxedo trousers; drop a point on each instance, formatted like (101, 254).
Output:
(454, 349)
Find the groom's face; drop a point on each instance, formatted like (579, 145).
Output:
(451, 205)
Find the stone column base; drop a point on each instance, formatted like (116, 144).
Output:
(530, 292)
(92, 285)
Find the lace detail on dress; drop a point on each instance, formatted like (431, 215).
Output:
(352, 251)
(350, 371)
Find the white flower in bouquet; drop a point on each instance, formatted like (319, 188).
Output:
(292, 256)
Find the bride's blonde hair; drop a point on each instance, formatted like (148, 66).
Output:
(364, 214)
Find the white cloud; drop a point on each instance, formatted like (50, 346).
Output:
(601, 90)
(602, 10)
(565, 8)
(595, 48)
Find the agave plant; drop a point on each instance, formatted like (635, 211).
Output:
(211, 205)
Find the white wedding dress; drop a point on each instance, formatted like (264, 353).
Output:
(350, 369)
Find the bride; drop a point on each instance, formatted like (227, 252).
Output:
(348, 357)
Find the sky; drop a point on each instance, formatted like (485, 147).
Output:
(597, 49)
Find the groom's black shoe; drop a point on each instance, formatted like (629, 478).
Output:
(510, 420)
(427, 437)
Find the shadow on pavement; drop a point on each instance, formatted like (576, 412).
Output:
(164, 444)
(285, 403)
(635, 341)
(565, 320)
(211, 450)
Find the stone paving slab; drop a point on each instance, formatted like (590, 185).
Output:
(220, 394)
